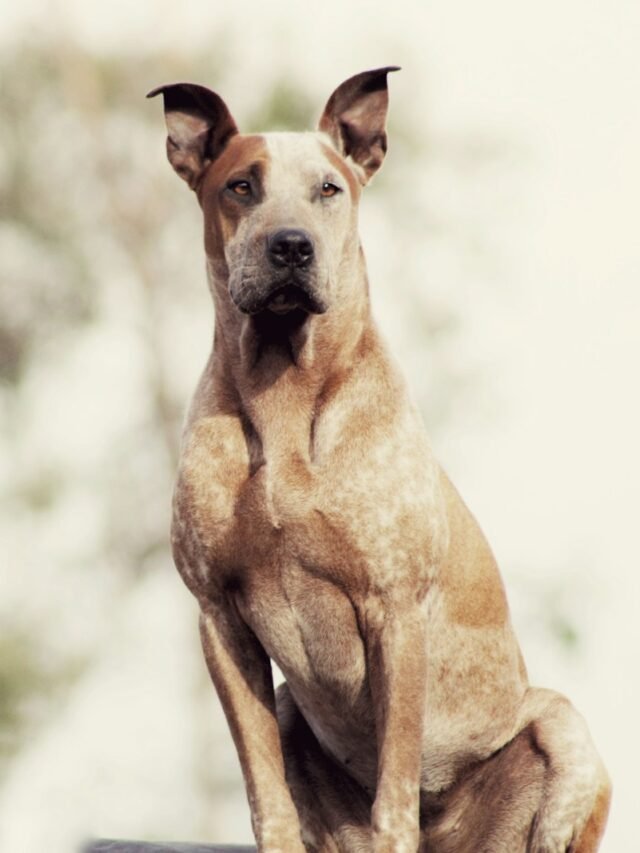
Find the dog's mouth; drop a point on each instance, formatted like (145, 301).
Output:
(293, 297)
(281, 298)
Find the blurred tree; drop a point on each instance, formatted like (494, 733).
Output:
(285, 108)
(82, 218)
(20, 678)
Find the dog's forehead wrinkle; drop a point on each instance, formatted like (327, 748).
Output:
(293, 155)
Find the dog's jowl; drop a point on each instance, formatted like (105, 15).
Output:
(316, 529)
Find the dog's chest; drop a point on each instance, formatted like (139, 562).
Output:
(349, 521)
(349, 526)
(307, 626)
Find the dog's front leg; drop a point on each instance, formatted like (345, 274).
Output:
(396, 659)
(241, 672)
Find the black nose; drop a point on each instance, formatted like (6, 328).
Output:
(290, 247)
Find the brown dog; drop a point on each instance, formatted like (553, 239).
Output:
(315, 528)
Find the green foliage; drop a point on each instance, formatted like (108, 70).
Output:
(27, 687)
(20, 677)
(285, 108)
(46, 283)
(558, 618)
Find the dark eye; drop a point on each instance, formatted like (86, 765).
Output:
(328, 189)
(242, 188)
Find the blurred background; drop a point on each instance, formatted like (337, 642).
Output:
(504, 259)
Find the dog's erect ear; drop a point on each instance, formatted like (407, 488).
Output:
(355, 116)
(199, 126)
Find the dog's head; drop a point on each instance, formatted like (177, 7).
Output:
(280, 209)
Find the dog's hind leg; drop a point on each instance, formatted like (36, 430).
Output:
(334, 810)
(493, 805)
(574, 807)
(546, 791)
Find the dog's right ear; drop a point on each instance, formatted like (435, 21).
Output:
(199, 125)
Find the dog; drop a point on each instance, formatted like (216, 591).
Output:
(316, 529)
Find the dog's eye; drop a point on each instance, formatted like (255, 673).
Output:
(240, 187)
(328, 189)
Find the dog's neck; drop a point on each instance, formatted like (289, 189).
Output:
(278, 371)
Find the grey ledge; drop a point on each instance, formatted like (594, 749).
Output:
(106, 845)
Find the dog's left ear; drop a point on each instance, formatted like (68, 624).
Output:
(355, 117)
(199, 125)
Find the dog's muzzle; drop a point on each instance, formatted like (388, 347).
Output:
(288, 280)
(290, 248)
